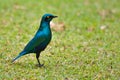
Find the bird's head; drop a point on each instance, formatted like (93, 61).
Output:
(48, 17)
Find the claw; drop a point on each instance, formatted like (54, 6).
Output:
(40, 65)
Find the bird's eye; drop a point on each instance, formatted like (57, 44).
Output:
(48, 17)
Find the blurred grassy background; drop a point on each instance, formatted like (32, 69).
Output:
(88, 48)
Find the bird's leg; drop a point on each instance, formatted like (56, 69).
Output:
(37, 57)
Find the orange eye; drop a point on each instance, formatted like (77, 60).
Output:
(48, 16)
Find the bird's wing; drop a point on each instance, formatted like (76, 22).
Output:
(38, 38)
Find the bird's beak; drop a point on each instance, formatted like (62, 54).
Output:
(55, 16)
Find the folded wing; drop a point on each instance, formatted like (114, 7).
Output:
(38, 39)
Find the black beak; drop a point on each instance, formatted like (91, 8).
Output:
(55, 16)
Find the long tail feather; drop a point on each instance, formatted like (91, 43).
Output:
(15, 58)
(21, 54)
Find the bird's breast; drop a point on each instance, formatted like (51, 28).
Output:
(47, 33)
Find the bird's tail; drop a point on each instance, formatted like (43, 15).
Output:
(21, 54)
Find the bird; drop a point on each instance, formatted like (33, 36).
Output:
(40, 40)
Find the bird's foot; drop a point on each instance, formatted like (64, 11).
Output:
(40, 65)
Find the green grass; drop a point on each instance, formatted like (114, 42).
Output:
(83, 51)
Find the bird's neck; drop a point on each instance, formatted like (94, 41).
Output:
(45, 28)
(44, 25)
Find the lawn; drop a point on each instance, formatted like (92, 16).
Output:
(86, 48)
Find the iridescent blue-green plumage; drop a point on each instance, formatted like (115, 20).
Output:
(41, 39)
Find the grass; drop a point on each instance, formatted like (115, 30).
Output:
(88, 48)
